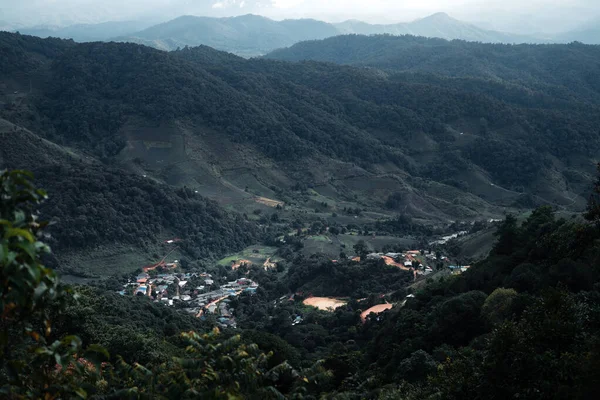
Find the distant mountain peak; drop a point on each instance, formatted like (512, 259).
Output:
(439, 17)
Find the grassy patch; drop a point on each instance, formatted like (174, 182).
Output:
(256, 254)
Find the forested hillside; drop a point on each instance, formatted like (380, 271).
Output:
(565, 72)
(523, 323)
(495, 138)
(244, 132)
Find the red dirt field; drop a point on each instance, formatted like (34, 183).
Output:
(324, 303)
(236, 264)
(375, 309)
(390, 261)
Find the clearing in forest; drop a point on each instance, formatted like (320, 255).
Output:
(378, 309)
(324, 303)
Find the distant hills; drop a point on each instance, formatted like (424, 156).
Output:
(590, 34)
(252, 35)
(439, 25)
(248, 35)
(88, 32)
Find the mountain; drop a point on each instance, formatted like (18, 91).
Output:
(88, 32)
(524, 65)
(323, 140)
(252, 35)
(439, 25)
(245, 35)
(588, 33)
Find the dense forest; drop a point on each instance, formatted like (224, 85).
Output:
(562, 71)
(528, 317)
(99, 206)
(521, 127)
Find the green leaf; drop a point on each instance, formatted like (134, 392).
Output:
(81, 393)
(96, 353)
(19, 232)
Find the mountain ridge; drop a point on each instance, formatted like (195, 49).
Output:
(252, 35)
(322, 139)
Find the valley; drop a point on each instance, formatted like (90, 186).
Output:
(359, 217)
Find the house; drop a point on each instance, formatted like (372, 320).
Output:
(141, 290)
(186, 297)
(407, 263)
(182, 283)
(209, 282)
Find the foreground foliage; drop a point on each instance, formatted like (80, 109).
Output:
(35, 364)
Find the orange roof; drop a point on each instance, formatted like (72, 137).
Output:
(357, 259)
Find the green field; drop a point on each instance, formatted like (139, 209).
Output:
(255, 254)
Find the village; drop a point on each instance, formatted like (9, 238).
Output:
(198, 294)
(193, 292)
(417, 261)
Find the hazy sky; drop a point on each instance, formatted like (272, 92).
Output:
(524, 15)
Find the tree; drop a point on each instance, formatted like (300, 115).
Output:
(216, 368)
(497, 306)
(33, 363)
(361, 249)
(593, 207)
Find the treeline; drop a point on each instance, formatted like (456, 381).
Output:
(91, 205)
(344, 278)
(517, 313)
(562, 70)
